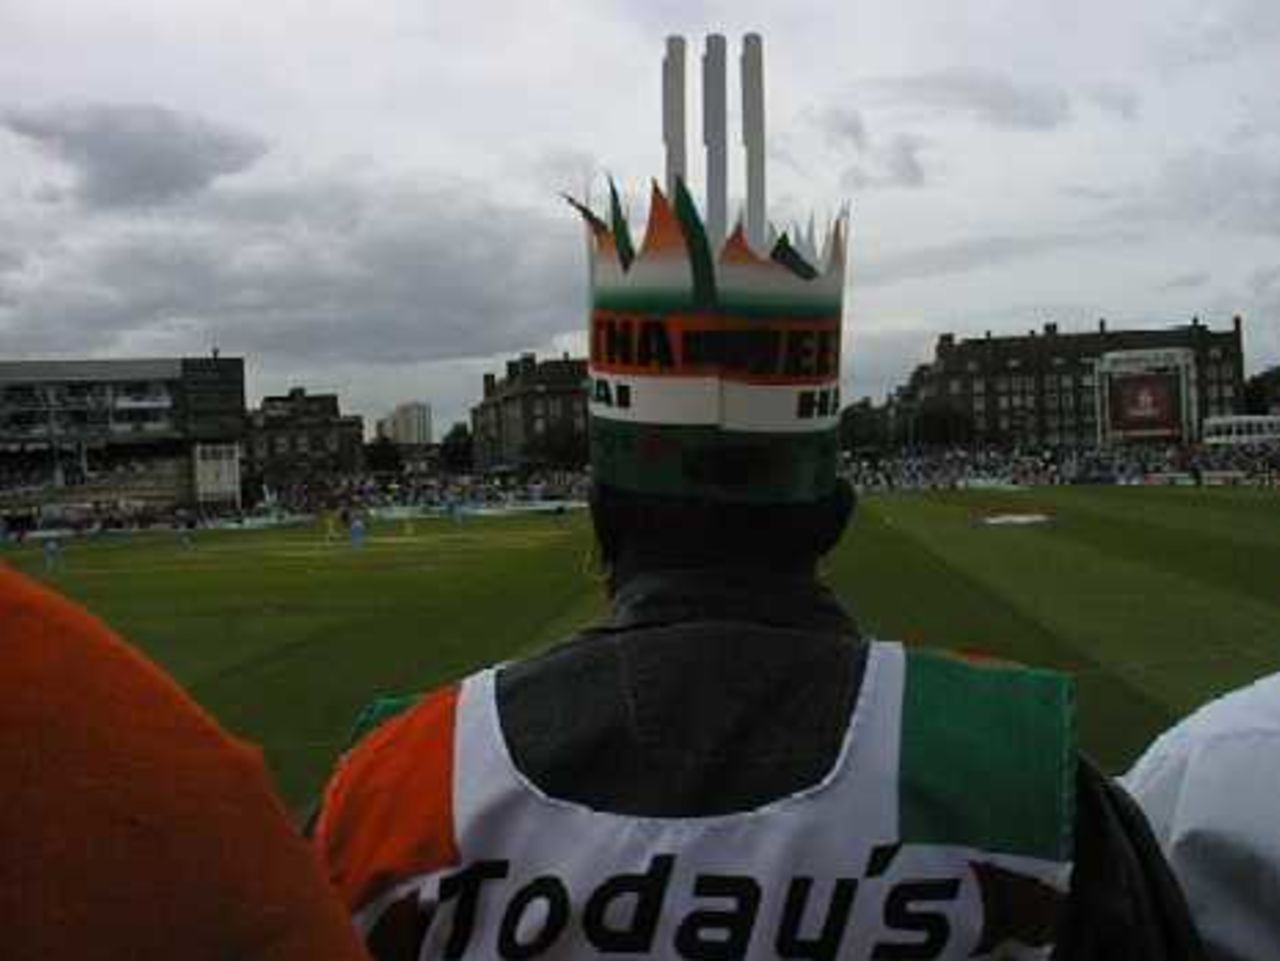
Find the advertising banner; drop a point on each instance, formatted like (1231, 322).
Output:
(1146, 405)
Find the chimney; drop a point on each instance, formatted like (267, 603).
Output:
(1051, 330)
(513, 370)
(1102, 325)
(528, 364)
(490, 384)
(1237, 322)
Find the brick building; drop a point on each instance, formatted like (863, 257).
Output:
(300, 438)
(535, 416)
(1045, 388)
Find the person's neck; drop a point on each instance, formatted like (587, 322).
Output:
(629, 567)
(786, 597)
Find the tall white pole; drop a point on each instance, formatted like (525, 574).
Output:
(715, 136)
(753, 137)
(673, 120)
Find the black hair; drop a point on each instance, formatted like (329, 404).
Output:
(646, 531)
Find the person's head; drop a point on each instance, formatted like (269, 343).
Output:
(638, 532)
(714, 396)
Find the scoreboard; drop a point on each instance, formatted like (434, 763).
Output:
(1145, 406)
(1147, 395)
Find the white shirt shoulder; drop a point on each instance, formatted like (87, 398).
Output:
(1210, 786)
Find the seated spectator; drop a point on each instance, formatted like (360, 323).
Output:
(1209, 787)
(132, 826)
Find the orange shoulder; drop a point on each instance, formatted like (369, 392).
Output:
(388, 809)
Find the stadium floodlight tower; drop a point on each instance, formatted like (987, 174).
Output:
(715, 137)
(673, 113)
(753, 137)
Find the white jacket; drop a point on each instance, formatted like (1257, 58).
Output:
(1210, 787)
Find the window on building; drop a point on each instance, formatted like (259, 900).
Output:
(1004, 423)
(1215, 353)
(331, 442)
(979, 385)
(1065, 381)
(956, 385)
(979, 405)
(1068, 401)
(1013, 363)
(301, 444)
(1004, 403)
(1228, 392)
(1002, 384)
(1059, 360)
(971, 367)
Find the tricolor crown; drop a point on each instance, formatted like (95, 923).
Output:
(676, 267)
(714, 367)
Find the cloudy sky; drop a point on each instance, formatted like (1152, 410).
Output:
(362, 194)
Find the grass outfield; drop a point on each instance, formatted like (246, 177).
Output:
(1156, 599)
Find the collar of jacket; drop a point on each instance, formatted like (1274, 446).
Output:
(777, 600)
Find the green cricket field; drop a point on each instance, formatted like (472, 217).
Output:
(1155, 599)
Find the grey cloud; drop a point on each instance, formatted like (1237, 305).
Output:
(844, 126)
(1086, 192)
(896, 165)
(903, 161)
(974, 254)
(136, 154)
(893, 164)
(1187, 281)
(328, 272)
(1265, 280)
(1118, 99)
(1222, 30)
(565, 171)
(1238, 191)
(986, 96)
(877, 360)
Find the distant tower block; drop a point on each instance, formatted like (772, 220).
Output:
(673, 120)
(753, 137)
(715, 136)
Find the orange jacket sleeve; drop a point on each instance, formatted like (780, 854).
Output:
(131, 825)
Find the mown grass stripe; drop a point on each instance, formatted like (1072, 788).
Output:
(902, 589)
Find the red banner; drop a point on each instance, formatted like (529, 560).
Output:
(1146, 405)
